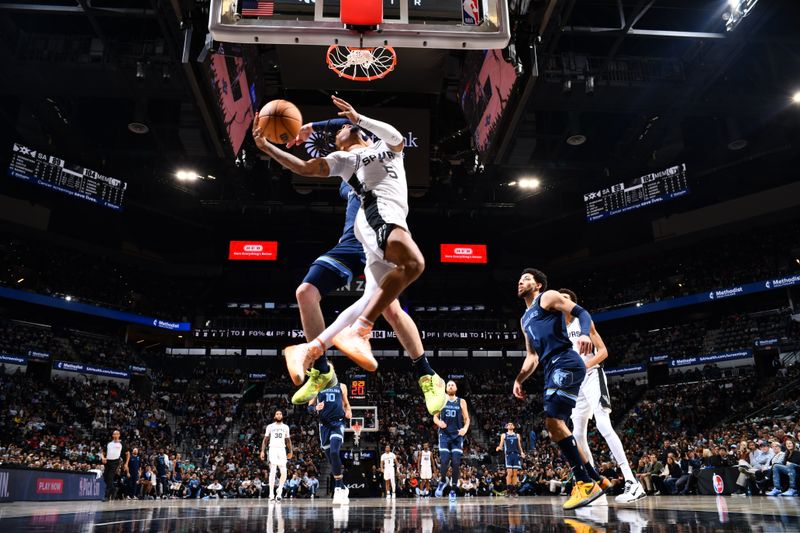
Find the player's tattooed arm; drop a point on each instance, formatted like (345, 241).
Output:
(317, 167)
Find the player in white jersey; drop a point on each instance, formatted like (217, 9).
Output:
(388, 463)
(425, 468)
(595, 402)
(277, 435)
(376, 172)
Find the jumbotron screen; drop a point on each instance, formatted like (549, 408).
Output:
(54, 173)
(253, 251)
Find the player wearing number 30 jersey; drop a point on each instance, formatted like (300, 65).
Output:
(453, 423)
(277, 436)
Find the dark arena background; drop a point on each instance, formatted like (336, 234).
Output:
(642, 153)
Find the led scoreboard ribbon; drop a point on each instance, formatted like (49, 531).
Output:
(54, 173)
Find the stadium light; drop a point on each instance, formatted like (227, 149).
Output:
(529, 183)
(20, 280)
(68, 298)
(738, 10)
(187, 175)
(796, 97)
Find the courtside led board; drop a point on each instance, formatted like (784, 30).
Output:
(463, 253)
(253, 251)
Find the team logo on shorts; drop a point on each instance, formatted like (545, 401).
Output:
(562, 378)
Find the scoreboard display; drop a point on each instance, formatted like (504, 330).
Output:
(51, 172)
(358, 387)
(643, 191)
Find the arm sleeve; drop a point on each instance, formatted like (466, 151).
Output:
(382, 130)
(342, 164)
(331, 125)
(584, 319)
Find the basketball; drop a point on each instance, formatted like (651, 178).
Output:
(280, 121)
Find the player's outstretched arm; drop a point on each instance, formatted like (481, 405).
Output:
(317, 167)
(555, 301)
(385, 132)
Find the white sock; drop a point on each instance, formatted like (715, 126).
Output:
(271, 480)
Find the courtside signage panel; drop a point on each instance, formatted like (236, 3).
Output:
(253, 251)
(463, 253)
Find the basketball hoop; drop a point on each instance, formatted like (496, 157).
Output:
(357, 433)
(361, 64)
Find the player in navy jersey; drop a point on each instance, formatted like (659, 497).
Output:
(547, 342)
(453, 423)
(336, 267)
(332, 406)
(511, 446)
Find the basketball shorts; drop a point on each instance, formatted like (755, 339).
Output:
(277, 456)
(388, 475)
(330, 431)
(562, 383)
(374, 222)
(450, 443)
(513, 461)
(593, 397)
(425, 472)
(336, 267)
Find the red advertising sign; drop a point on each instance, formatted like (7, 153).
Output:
(463, 253)
(253, 251)
(49, 486)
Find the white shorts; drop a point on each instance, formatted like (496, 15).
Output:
(277, 456)
(425, 472)
(388, 476)
(593, 396)
(372, 228)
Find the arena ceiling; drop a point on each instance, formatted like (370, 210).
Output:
(670, 84)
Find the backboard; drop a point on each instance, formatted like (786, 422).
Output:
(445, 24)
(366, 415)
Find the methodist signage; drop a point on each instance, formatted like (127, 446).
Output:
(79, 307)
(80, 368)
(624, 370)
(711, 359)
(703, 297)
(463, 253)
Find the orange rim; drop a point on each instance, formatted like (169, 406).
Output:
(353, 63)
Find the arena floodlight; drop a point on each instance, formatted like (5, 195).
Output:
(796, 97)
(68, 298)
(187, 175)
(739, 9)
(20, 280)
(529, 183)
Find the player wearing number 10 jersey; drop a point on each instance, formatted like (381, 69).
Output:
(453, 422)
(332, 406)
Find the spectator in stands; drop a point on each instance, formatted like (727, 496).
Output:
(789, 466)
(194, 487)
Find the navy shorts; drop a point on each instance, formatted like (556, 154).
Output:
(513, 461)
(562, 382)
(335, 268)
(330, 431)
(449, 443)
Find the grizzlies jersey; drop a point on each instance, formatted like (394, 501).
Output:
(574, 331)
(452, 416)
(333, 410)
(546, 331)
(378, 170)
(511, 443)
(353, 204)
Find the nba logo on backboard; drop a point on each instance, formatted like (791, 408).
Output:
(719, 485)
(472, 12)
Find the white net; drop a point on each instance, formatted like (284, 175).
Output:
(361, 64)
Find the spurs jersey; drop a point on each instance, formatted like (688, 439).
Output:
(277, 432)
(388, 460)
(425, 459)
(574, 331)
(380, 178)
